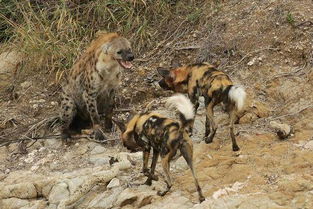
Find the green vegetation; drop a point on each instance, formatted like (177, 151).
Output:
(53, 33)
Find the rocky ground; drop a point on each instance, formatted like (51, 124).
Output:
(266, 46)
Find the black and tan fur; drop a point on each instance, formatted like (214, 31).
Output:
(165, 136)
(91, 83)
(215, 86)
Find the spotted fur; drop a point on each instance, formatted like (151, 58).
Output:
(90, 86)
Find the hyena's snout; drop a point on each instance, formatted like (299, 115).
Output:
(128, 56)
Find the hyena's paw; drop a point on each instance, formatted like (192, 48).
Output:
(96, 133)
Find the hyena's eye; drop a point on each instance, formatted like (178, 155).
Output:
(119, 52)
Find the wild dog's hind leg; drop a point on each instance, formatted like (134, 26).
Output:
(210, 126)
(68, 111)
(187, 152)
(233, 117)
(166, 167)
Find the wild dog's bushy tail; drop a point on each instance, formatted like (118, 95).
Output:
(183, 105)
(237, 94)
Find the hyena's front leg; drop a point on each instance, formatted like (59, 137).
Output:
(68, 111)
(91, 104)
(108, 111)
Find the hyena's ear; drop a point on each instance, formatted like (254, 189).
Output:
(105, 47)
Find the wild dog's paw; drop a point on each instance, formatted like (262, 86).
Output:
(201, 199)
(235, 148)
(146, 172)
(148, 182)
(208, 139)
(162, 193)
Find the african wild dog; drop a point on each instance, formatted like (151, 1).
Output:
(165, 136)
(215, 86)
(90, 85)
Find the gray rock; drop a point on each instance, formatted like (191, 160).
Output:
(53, 143)
(115, 182)
(106, 199)
(13, 203)
(22, 190)
(98, 150)
(128, 196)
(283, 130)
(99, 160)
(59, 192)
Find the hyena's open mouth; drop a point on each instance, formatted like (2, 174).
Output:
(125, 64)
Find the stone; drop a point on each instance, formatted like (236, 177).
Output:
(128, 196)
(38, 204)
(59, 192)
(115, 182)
(98, 150)
(106, 199)
(171, 200)
(53, 143)
(99, 160)
(21, 190)
(309, 145)
(13, 203)
(283, 131)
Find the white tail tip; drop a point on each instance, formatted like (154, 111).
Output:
(237, 94)
(182, 104)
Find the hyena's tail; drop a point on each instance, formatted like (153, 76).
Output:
(237, 94)
(183, 105)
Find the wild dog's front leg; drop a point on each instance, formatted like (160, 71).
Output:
(145, 158)
(151, 175)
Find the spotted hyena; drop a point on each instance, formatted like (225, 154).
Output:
(91, 83)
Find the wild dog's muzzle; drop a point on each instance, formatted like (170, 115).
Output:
(164, 85)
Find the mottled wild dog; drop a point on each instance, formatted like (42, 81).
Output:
(91, 82)
(165, 136)
(215, 86)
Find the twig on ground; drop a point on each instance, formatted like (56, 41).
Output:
(293, 73)
(248, 55)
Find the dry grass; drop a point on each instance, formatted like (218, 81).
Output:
(53, 33)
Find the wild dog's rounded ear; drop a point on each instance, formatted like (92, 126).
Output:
(163, 72)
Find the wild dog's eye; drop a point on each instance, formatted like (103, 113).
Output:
(119, 52)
